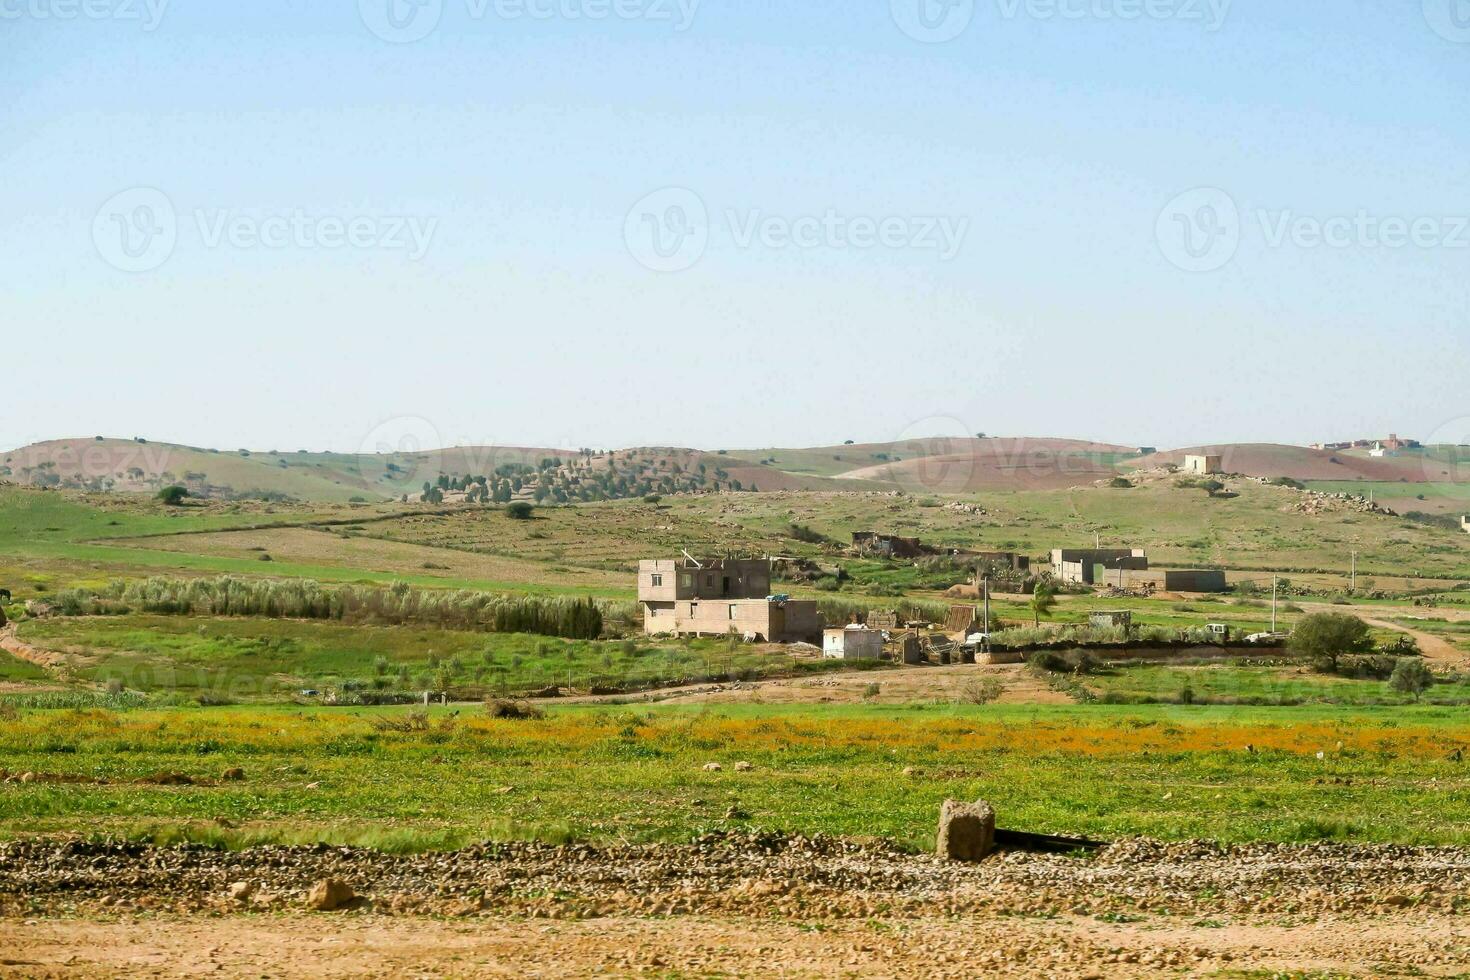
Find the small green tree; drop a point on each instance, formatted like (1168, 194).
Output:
(1324, 637)
(1410, 676)
(1042, 602)
(519, 511)
(174, 495)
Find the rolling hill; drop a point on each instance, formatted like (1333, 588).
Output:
(1432, 479)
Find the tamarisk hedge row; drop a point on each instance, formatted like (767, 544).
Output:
(398, 604)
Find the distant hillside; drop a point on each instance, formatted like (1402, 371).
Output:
(142, 466)
(1433, 478)
(966, 465)
(1300, 463)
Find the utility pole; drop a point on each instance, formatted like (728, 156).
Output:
(985, 591)
(1353, 575)
(1274, 581)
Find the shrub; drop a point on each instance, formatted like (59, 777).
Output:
(519, 511)
(414, 721)
(514, 710)
(805, 534)
(1410, 676)
(572, 618)
(1323, 638)
(174, 495)
(981, 691)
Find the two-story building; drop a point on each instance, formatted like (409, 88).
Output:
(719, 596)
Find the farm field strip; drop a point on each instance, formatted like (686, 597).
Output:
(610, 774)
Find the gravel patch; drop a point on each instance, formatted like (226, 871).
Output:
(740, 873)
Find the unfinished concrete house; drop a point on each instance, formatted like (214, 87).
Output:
(852, 643)
(1110, 620)
(1082, 566)
(888, 545)
(1465, 523)
(719, 596)
(1006, 571)
(1204, 465)
(1175, 580)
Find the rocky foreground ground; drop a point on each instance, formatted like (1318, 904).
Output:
(1136, 907)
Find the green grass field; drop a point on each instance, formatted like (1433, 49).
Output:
(255, 658)
(1285, 684)
(616, 774)
(612, 773)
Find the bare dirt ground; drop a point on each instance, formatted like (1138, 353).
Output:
(904, 685)
(16, 647)
(1436, 649)
(356, 945)
(735, 905)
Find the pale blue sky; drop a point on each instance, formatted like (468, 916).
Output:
(516, 147)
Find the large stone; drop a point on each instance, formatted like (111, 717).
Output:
(329, 894)
(966, 830)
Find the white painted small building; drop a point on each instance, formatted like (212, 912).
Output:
(1206, 465)
(852, 643)
(1465, 523)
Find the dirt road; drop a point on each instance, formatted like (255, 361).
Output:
(1436, 649)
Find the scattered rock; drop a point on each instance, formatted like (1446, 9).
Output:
(233, 775)
(712, 767)
(743, 767)
(329, 894)
(966, 830)
(240, 891)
